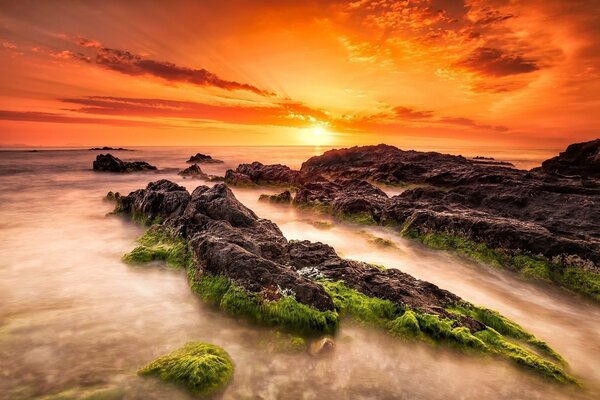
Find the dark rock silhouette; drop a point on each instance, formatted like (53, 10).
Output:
(193, 171)
(203, 158)
(578, 160)
(110, 163)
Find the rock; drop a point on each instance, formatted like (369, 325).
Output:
(284, 197)
(260, 174)
(110, 163)
(513, 212)
(322, 347)
(343, 197)
(228, 239)
(578, 160)
(203, 158)
(193, 171)
(106, 148)
(246, 266)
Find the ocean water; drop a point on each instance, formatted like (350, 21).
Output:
(77, 322)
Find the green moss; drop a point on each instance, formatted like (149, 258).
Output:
(378, 266)
(160, 244)
(285, 312)
(282, 342)
(362, 308)
(357, 218)
(503, 326)
(202, 368)
(406, 325)
(499, 345)
(404, 322)
(571, 277)
(322, 224)
(273, 199)
(381, 242)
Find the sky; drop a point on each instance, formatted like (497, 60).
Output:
(425, 73)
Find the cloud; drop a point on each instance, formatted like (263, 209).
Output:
(32, 116)
(285, 113)
(132, 64)
(496, 62)
(412, 114)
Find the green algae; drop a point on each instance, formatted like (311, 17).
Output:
(407, 323)
(160, 244)
(286, 312)
(201, 368)
(577, 279)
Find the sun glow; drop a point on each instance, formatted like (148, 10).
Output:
(317, 135)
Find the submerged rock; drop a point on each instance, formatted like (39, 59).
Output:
(322, 347)
(284, 197)
(193, 171)
(201, 368)
(110, 163)
(203, 158)
(246, 266)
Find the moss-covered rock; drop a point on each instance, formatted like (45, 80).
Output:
(285, 312)
(501, 337)
(200, 367)
(160, 244)
(574, 278)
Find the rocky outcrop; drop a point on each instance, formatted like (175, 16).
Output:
(110, 163)
(106, 148)
(230, 240)
(203, 158)
(578, 160)
(344, 198)
(244, 264)
(283, 198)
(260, 174)
(193, 171)
(550, 221)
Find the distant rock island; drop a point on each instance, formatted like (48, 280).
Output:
(544, 223)
(110, 163)
(106, 148)
(203, 158)
(193, 171)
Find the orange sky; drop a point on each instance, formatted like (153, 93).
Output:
(420, 72)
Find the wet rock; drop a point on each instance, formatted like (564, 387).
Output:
(110, 163)
(343, 197)
(228, 239)
(260, 174)
(193, 171)
(578, 160)
(283, 198)
(203, 158)
(322, 347)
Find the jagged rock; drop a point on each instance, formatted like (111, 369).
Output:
(193, 171)
(284, 197)
(204, 158)
(343, 197)
(229, 239)
(275, 174)
(110, 163)
(578, 160)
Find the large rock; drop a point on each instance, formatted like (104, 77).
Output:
(193, 171)
(257, 173)
(578, 160)
(229, 239)
(203, 158)
(110, 163)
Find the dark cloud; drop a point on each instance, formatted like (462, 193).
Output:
(496, 62)
(471, 123)
(129, 63)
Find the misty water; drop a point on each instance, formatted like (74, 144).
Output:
(76, 321)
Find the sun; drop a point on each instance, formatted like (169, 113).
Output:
(318, 131)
